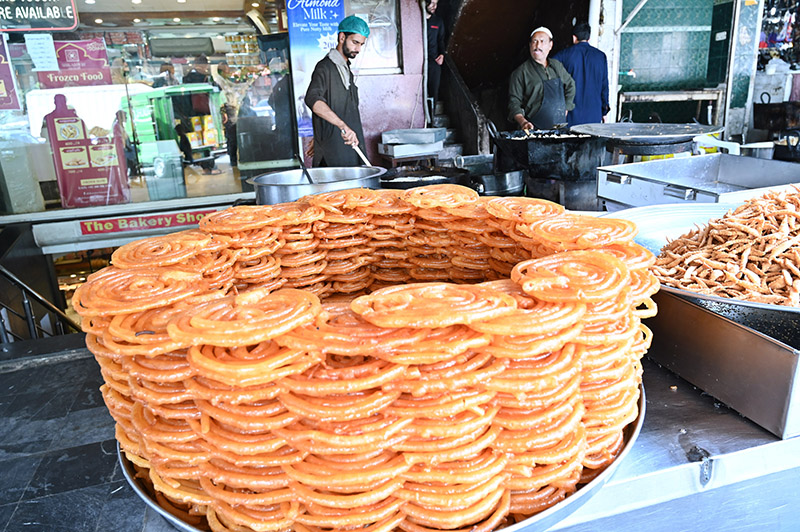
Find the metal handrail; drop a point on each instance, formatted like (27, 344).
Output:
(29, 294)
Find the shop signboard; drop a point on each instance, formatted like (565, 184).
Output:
(89, 171)
(312, 33)
(38, 15)
(79, 63)
(9, 98)
(135, 223)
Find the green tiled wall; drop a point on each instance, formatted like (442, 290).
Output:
(666, 45)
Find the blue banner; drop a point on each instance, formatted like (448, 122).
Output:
(312, 33)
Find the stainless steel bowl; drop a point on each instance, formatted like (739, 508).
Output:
(280, 187)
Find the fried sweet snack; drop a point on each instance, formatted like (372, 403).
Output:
(571, 231)
(586, 276)
(464, 403)
(522, 210)
(432, 305)
(165, 250)
(432, 196)
(246, 319)
(114, 291)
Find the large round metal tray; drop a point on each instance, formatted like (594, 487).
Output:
(647, 134)
(659, 223)
(537, 523)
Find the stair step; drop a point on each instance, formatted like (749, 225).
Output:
(451, 151)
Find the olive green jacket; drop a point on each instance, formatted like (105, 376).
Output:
(525, 87)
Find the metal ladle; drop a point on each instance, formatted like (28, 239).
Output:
(306, 173)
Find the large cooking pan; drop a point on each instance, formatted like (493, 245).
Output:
(280, 187)
(775, 116)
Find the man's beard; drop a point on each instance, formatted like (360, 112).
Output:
(348, 52)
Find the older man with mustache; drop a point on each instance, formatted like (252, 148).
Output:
(540, 91)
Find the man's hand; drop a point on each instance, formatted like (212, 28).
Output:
(523, 122)
(349, 136)
(439, 59)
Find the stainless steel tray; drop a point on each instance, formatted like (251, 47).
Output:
(538, 523)
(752, 372)
(713, 178)
(743, 353)
(659, 223)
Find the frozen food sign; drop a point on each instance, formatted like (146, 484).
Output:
(38, 15)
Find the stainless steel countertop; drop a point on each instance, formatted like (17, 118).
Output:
(690, 443)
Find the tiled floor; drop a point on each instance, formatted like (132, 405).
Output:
(58, 459)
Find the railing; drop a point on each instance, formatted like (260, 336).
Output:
(28, 296)
(470, 121)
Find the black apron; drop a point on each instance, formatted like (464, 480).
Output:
(554, 107)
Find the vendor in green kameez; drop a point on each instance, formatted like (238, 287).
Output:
(332, 96)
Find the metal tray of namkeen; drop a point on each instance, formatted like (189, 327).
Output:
(537, 523)
(658, 224)
(746, 354)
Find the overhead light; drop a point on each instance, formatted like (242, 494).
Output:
(136, 1)
(90, 1)
(137, 20)
(255, 4)
(215, 19)
(98, 21)
(176, 19)
(181, 1)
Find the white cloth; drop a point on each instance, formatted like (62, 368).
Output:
(341, 65)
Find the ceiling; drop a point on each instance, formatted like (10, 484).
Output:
(177, 14)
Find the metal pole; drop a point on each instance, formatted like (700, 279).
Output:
(26, 306)
(3, 333)
(136, 170)
(428, 117)
(632, 14)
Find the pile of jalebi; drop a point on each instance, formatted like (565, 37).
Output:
(373, 360)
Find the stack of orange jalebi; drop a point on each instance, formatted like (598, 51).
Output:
(273, 370)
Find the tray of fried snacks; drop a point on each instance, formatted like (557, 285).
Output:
(184, 518)
(375, 360)
(728, 305)
(744, 254)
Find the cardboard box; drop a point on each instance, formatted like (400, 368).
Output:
(195, 139)
(197, 123)
(210, 137)
(208, 122)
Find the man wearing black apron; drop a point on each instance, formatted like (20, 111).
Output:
(332, 96)
(540, 91)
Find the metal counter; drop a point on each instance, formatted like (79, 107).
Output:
(697, 465)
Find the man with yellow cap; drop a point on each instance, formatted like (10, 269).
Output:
(540, 90)
(332, 96)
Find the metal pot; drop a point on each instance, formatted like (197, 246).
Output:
(501, 183)
(281, 187)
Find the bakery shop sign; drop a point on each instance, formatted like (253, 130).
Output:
(38, 15)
